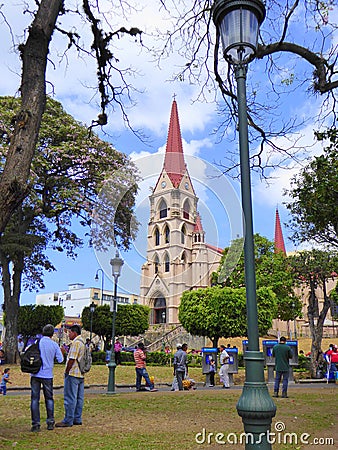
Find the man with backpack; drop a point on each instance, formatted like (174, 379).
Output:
(49, 351)
(74, 380)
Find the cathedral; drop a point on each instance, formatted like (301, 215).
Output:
(178, 257)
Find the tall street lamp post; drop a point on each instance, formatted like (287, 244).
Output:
(116, 264)
(294, 321)
(91, 310)
(237, 22)
(102, 282)
(163, 325)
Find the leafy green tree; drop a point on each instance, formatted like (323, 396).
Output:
(314, 269)
(272, 269)
(32, 318)
(131, 320)
(70, 170)
(217, 312)
(314, 205)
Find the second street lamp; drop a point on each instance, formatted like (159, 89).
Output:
(238, 24)
(102, 282)
(294, 321)
(91, 310)
(116, 264)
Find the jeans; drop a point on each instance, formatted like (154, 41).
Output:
(279, 375)
(73, 399)
(3, 389)
(47, 387)
(142, 372)
(180, 378)
(333, 367)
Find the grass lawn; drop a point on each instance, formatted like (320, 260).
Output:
(163, 420)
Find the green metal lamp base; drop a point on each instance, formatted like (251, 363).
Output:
(255, 405)
(111, 378)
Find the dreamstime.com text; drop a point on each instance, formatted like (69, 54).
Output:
(279, 436)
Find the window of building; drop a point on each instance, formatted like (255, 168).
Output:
(186, 210)
(163, 209)
(156, 263)
(167, 234)
(183, 233)
(166, 263)
(157, 236)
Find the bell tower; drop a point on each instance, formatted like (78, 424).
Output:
(178, 259)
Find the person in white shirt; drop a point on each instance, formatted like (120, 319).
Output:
(224, 370)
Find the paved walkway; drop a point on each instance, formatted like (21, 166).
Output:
(101, 389)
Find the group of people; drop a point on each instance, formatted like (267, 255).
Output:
(180, 368)
(117, 348)
(73, 379)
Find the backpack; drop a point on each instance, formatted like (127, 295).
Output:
(31, 361)
(85, 363)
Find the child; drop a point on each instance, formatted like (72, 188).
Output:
(4, 381)
(212, 370)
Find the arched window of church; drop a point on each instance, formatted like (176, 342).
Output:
(183, 258)
(186, 209)
(167, 234)
(156, 263)
(183, 233)
(166, 263)
(157, 236)
(163, 209)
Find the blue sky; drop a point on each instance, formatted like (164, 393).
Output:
(73, 80)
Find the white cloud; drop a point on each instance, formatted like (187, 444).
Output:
(270, 192)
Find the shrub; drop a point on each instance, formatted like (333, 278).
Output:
(99, 357)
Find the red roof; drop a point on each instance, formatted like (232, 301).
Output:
(216, 249)
(174, 163)
(279, 240)
(198, 228)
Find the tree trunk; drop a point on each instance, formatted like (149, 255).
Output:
(12, 290)
(13, 181)
(214, 342)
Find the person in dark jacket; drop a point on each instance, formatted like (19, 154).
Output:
(180, 365)
(282, 353)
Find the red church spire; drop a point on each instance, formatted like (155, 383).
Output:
(174, 163)
(279, 240)
(198, 228)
